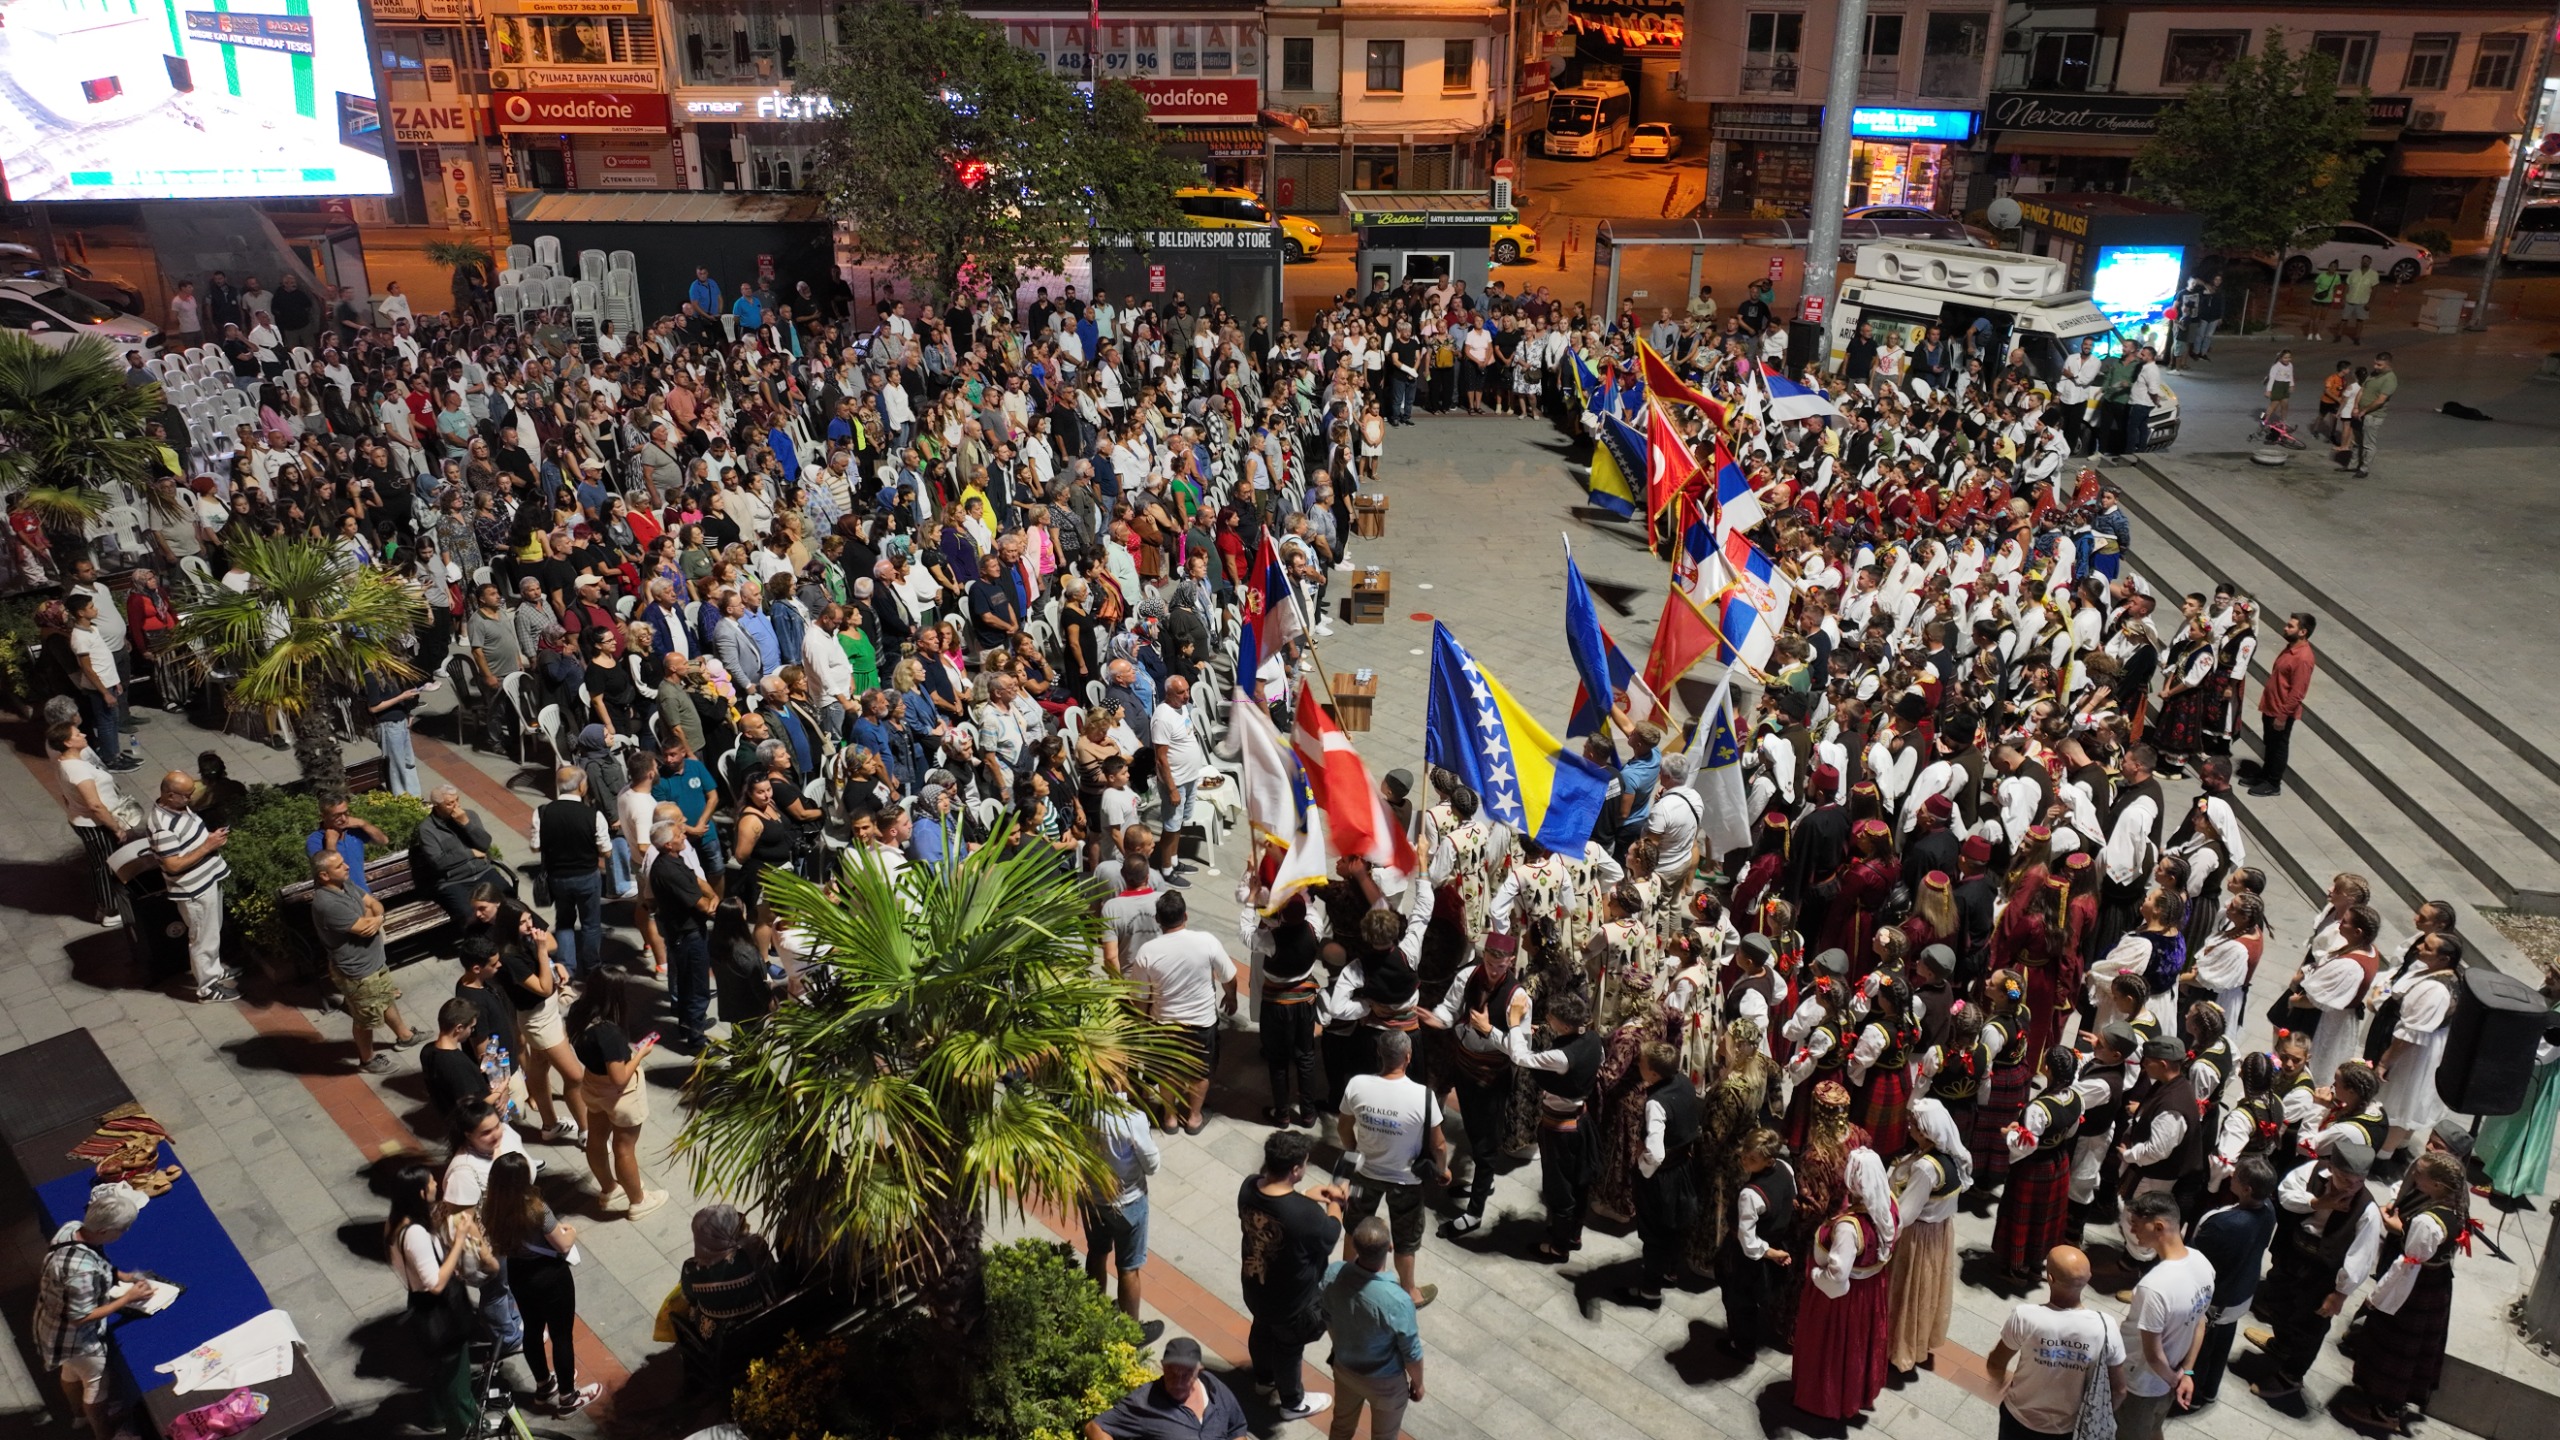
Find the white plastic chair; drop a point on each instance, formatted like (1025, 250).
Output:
(586, 301)
(622, 261)
(509, 301)
(546, 251)
(591, 265)
(519, 256)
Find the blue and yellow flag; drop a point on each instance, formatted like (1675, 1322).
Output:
(1617, 467)
(1523, 778)
(1586, 386)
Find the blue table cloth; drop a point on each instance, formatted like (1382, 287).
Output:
(178, 1239)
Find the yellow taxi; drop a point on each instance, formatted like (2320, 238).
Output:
(1513, 243)
(1233, 208)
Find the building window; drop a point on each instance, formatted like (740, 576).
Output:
(1298, 62)
(2430, 61)
(2353, 50)
(2063, 60)
(1771, 41)
(1882, 73)
(1386, 67)
(2495, 66)
(1457, 66)
(2201, 57)
(1951, 54)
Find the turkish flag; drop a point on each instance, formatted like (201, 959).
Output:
(1670, 471)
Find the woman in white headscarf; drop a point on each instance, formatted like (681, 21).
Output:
(1927, 1182)
(1842, 1322)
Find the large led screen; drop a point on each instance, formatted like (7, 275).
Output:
(187, 99)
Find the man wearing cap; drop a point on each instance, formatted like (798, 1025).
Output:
(1185, 1403)
(1977, 896)
(1820, 842)
(72, 1304)
(2326, 1243)
(2165, 1140)
(1934, 846)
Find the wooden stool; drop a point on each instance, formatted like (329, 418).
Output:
(1368, 602)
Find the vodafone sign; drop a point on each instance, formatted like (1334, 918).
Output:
(1201, 99)
(636, 113)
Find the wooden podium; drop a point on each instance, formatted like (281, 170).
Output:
(1369, 514)
(1368, 602)
(1353, 699)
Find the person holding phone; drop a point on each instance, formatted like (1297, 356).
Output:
(617, 1098)
(192, 870)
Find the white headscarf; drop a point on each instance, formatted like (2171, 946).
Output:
(1929, 1118)
(1865, 1178)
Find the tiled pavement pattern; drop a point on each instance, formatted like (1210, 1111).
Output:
(262, 1102)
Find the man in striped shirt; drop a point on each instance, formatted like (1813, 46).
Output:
(192, 867)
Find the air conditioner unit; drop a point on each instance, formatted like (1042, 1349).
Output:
(2016, 42)
(2426, 122)
(1321, 116)
(501, 78)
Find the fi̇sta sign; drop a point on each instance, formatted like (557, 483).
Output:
(582, 112)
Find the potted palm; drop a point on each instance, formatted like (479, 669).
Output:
(310, 628)
(71, 430)
(951, 1050)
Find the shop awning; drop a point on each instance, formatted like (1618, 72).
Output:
(2471, 159)
(1225, 142)
(664, 207)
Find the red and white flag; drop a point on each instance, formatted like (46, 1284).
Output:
(1356, 817)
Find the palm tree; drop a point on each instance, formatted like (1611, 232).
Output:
(312, 627)
(71, 429)
(952, 1050)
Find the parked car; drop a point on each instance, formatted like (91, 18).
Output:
(57, 316)
(1653, 140)
(2348, 245)
(1981, 237)
(1235, 208)
(20, 262)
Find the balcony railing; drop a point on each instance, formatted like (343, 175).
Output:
(1774, 76)
(1879, 81)
(1951, 77)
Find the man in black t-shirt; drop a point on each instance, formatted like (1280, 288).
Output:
(1288, 1239)
(451, 1064)
(680, 901)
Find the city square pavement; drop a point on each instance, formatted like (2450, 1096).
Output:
(261, 1099)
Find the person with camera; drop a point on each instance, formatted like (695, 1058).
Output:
(1390, 1126)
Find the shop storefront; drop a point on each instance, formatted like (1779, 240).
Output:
(1760, 160)
(738, 138)
(571, 140)
(1909, 157)
(1212, 124)
(433, 64)
(2057, 141)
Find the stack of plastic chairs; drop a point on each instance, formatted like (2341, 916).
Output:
(591, 266)
(622, 299)
(546, 251)
(510, 297)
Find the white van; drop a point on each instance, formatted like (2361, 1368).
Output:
(1910, 285)
(2537, 233)
(1589, 120)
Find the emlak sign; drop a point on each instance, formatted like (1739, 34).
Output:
(581, 112)
(1215, 99)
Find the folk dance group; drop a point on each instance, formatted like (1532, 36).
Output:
(1971, 950)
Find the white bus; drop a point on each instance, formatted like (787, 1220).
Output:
(1589, 120)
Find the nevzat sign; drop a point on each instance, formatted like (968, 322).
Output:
(637, 113)
(1225, 99)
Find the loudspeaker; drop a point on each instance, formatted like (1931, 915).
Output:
(182, 73)
(2489, 1042)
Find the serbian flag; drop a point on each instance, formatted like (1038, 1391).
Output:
(1271, 621)
(1737, 504)
(1278, 805)
(1670, 471)
(1684, 637)
(1693, 564)
(1357, 820)
(1791, 401)
(1752, 603)
(1666, 384)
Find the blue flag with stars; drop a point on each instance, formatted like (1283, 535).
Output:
(1522, 776)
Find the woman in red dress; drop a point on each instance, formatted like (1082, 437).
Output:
(1843, 1319)
(1822, 1168)
(2029, 939)
(1857, 890)
(1768, 864)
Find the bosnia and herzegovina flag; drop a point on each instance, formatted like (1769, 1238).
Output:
(1522, 776)
(1617, 466)
(1586, 386)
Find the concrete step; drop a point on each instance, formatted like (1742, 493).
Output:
(2479, 788)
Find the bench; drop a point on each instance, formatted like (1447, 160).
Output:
(408, 913)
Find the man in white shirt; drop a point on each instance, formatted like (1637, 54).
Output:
(2165, 1327)
(1115, 1228)
(1673, 822)
(2054, 1344)
(1181, 760)
(1186, 978)
(1390, 1129)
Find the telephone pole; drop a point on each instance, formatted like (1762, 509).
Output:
(1831, 157)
